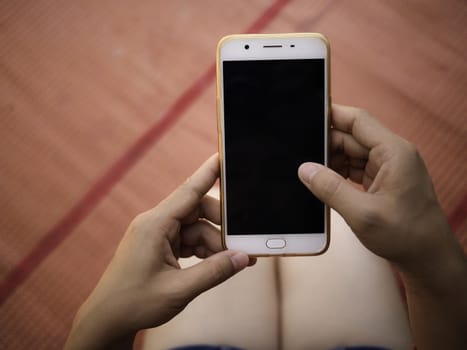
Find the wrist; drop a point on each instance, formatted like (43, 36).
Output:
(433, 255)
(436, 297)
(442, 270)
(96, 326)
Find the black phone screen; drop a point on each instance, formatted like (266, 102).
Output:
(274, 120)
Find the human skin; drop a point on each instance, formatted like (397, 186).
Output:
(144, 286)
(397, 216)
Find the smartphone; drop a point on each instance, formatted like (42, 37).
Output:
(273, 114)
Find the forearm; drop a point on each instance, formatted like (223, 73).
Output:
(437, 301)
(92, 341)
(95, 329)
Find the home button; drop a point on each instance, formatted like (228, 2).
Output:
(275, 243)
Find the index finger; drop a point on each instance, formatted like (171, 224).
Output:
(367, 130)
(187, 196)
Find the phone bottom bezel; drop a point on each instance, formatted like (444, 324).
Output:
(296, 244)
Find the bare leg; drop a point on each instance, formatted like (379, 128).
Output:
(241, 312)
(348, 296)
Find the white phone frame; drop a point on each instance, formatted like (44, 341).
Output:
(270, 47)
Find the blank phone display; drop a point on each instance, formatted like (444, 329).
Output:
(274, 120)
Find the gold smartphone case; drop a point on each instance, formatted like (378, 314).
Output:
(219, 123)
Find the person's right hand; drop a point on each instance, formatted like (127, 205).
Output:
(397, 216)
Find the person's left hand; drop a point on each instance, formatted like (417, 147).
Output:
(144, 285)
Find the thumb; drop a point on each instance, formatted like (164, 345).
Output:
(214, 270)
(333, 190)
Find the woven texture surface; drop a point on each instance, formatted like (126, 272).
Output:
(105, 107)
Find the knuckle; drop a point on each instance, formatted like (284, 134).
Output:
(410, 149)
(138, 222)
(147, 216)
(330, 186)
(144, 222)
(362, 112)
(361, 117)
(190, 190)
(218, 271)
(410, 156)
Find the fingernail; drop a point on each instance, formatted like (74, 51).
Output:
(239, 260)
(307, 171)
